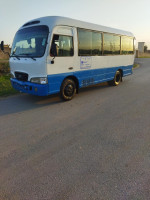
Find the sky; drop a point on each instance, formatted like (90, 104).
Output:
(129, 15)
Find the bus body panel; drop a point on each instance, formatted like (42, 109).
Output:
(30, 88)
(33, 68)
(62, 64)
(87, 77)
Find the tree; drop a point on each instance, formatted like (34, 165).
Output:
(145, 48)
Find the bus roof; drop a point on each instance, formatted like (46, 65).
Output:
(52, 21)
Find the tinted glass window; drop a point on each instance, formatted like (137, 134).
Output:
(96, 43)
(85, 42)
(127, 45)
(90, 43)
(62, 45)
(111, 44)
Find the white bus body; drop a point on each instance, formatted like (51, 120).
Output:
(49, 51)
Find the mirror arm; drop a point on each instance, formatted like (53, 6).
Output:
(52, 61)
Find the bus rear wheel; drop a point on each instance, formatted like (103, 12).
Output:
(68, 89)
(117, 79)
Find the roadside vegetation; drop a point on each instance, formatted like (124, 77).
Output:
(5, 85)
(135, 66)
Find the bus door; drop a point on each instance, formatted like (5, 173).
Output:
(61, 56)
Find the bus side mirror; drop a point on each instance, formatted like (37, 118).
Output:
(53, 52)
(2, 45)
(2, 48)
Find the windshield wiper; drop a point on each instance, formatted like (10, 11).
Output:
(14, 55)
(32, 57)
(27, 55)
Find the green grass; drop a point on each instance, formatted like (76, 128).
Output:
(144, 57)
(4, 60)
(4, 68)
(5, 86)
(135, 66)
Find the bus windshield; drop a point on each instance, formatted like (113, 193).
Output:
(30, 42)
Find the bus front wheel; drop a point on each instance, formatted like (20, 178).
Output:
(68, 89)
(117, 79)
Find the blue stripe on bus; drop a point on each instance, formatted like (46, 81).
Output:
(86, 77)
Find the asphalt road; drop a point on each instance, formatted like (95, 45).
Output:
(95, 147)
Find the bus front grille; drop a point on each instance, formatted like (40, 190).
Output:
(21, 76)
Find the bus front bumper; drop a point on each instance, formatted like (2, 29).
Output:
(30, 88)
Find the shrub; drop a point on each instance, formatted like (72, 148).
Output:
(4, 68)
(5, 86)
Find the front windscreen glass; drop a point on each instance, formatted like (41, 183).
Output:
(30, 42)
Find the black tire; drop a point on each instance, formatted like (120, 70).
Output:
(68, 89)
(117, 79)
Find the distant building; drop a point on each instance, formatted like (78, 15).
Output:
(141, 47)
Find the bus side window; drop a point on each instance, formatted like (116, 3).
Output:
(127, 45)
(62, 46)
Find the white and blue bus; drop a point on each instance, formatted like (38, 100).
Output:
(57, 54)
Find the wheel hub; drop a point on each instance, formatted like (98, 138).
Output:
(69, 90)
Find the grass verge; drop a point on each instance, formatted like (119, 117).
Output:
(5, 86)
(4, 60)
(144, 57)
(135, 66)
(4, 67)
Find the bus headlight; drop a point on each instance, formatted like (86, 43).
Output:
(39, 80)
(11, 75)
